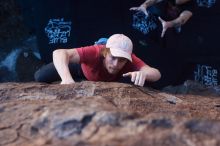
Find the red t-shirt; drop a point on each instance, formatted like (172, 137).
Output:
(92, 64)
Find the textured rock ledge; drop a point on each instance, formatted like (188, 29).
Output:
(105, 114)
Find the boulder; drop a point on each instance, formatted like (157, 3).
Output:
(105, 114)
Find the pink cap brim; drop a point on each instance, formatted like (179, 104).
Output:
(118, 53)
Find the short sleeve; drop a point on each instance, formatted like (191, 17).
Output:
(137, 62)
(89, 53)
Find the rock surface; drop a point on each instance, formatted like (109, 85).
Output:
(105, 114)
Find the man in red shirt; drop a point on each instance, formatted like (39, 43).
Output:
(107, 63)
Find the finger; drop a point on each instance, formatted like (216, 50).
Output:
(137, 79)
(143, 80)
(163, 32)
(161, 20)
(127, 74)
(142, 84)
(133, 8)
(133, 76)
(140, 80)
(145, 12)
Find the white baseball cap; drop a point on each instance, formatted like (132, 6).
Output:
(120, 46)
